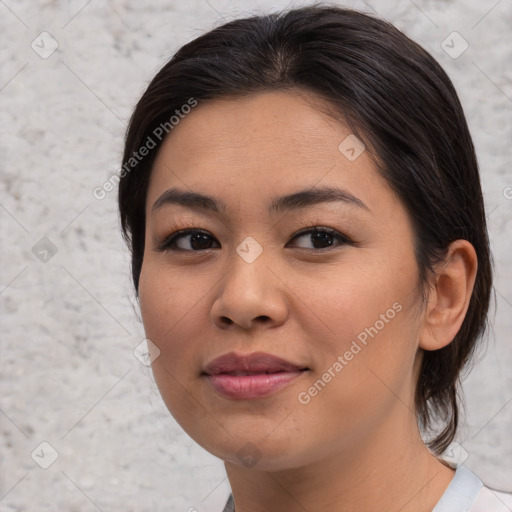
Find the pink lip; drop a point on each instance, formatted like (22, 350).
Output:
(250, 376)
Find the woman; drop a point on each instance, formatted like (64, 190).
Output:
(301, 197)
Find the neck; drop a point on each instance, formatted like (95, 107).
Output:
(392, 470)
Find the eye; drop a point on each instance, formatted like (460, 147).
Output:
(320, 238)
(195, 240)
(192, 240)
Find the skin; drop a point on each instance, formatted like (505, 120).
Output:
(355, 445)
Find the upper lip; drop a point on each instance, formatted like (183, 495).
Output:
(257, 362)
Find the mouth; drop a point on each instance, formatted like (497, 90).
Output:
(253, 375)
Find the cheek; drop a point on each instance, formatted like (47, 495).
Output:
(168, 301)
(167, 310)
(369, 318)
(162, 309)
(365, 369)
(158, 309)
(174, 320)
(360, 295)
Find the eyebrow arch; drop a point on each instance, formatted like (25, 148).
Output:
(301, 199)
(315, 195)
(192, 200)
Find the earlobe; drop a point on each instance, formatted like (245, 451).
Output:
(449, 299)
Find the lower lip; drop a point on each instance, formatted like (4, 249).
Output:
(251, 386)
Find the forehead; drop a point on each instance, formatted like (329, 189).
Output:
(260, 144)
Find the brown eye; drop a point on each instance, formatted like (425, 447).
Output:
(189, 240)
(320, 238)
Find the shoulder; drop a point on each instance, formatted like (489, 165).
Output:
(489, 500)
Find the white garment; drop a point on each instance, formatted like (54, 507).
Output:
(465, 493)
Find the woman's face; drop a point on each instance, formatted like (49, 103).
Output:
(340, 304)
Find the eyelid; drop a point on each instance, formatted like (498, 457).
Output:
(165, 244)
(318, 228)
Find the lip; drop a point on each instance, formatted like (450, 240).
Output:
(246, 376)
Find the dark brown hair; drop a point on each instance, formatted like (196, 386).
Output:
(393, 95)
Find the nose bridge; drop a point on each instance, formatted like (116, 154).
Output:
(249, 292)
(247, 282)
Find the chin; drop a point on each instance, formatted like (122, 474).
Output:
(253, 452)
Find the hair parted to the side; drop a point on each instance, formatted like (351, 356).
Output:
(394, 96)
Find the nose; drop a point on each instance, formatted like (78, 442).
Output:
(250, 295)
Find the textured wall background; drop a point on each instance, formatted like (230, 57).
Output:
(69, 321)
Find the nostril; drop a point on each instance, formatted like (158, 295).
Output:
(226, 320)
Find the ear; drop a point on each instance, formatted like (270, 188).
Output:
(449, 298)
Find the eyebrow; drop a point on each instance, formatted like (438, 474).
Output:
(300, 199)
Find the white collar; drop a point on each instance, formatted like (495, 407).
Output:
(461, 493)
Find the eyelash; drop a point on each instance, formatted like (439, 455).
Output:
(167, 244)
